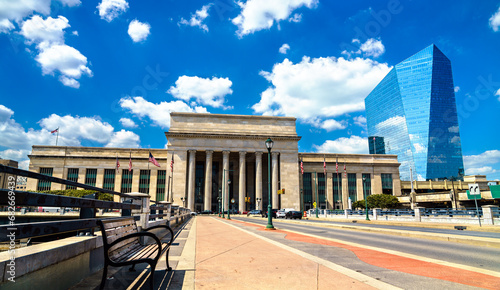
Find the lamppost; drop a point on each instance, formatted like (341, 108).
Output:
(183, 200)
(228, 197)
(452, 194)
(366, 202)
(219, 199)
(258, 199)
(269, 145)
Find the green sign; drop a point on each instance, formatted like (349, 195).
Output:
(472, 197)
(495, 191)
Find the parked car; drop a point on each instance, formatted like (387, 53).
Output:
(293, 214)
(194, 213)
(256, 212)
(245, 212)
(206, 212)
(280, 213)
(274, 210)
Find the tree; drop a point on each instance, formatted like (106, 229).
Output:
(377, 201)
(79, 193)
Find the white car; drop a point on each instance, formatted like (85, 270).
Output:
(280, 213)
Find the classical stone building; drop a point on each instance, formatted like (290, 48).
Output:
(4, 177)
(211, 156)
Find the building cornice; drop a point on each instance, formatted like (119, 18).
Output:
(231, 136)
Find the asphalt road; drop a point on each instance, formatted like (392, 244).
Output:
(479, 257)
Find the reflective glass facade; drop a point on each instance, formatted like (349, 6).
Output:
(413, 111)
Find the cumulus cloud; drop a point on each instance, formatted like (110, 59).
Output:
(495, 20)
(486, 158)
(261, 14)
(498, 94)
(110, 9)
(371, 47)
(284, 48)
(485, 170)
(128, 123)
(210, 92)
(197, 18)
(64, 60)
(138, 31)
(353, 145)
(17, 10)
(158, 113)
(331, 124)
(45, 32)
(70, 3)
(5, 26)
(319, 87)
(360, 121)
(457, 89)
(124, 139)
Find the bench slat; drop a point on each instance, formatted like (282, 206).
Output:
(115, 234)
(118, 223)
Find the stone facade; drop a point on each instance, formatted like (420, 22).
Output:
(4, 177)
(224, 156)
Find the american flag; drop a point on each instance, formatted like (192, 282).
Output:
(301, 167)
(117, 164)
(172, 163)
(345, 172)
(324, 165)
(337, 165)
(153, 160)
(54, 131)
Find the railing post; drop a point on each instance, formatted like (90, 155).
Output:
(376, 213)
(418, 213)
(143, 212)
(346, 213)
(167, 205)
(488, 217)
(88, 213)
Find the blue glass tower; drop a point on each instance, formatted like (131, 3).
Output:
(413, 110)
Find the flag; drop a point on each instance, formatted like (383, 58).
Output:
(172, 163)
(153, 160)
(345, 172)
(117, 164)
(301, 167)
(337, 165)
(54, 131)
(130, 163)
(324, 164)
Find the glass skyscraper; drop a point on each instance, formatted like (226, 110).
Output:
(412, 113)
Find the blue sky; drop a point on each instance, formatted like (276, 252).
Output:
(108, 72)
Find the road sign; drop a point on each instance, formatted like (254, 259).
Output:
(474, 189)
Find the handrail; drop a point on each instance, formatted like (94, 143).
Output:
(30, 174)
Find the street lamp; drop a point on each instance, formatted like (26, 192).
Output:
(366, 202)
(228, 197)
(258, 199)
(219, 199)
(183, 200)
(269, 145)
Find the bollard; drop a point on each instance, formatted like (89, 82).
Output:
(418, 213)
(488, 217)
(346, 213)
(376, 213)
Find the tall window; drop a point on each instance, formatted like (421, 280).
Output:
(386, 183)
(337, 188)
(72, 176)
(144, 177)
(126, 181)
(90, 176)
(321, 190)
(367, 184)
(42, 184)
(160, 185)
(109, 179)
(351, 186)
(307, 185)
(199, 180)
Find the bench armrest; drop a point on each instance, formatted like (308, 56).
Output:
(162, 226)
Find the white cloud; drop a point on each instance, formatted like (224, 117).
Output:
(5, 114)
(71, 3)
(485, 170)
(331, 124)
(73, 129)
(457, 89)
(353, 145)
(158, 113)
(197, 18)
(14, 154)
(65, 60)
(261, 14)
(48, 31)
(478, 161)
(498, 94)
(295, 18)
(372, 47)
(360, 121)
(210, 92)
(495, 20)
(128, 123)
(17, 10)
(284, 48)
(5, 26)
(319, 87)
(138, 31)
(110, 9)
(124, 139)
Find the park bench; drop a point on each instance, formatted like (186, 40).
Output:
(123, 245)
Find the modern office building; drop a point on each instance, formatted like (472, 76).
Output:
(211, 156)
(412, 113)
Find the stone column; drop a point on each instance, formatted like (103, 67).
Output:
(258, 178)
(191, 170)
(242, 183)
(418, 213)
(329, 191)
(225, 177)
(275, 186)
(208, 181)
(488, 217)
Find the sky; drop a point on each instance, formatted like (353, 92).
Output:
(107, 73)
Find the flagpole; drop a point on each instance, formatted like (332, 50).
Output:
(57, 136)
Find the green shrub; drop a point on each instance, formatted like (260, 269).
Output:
(79, 193)
(378, 201)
